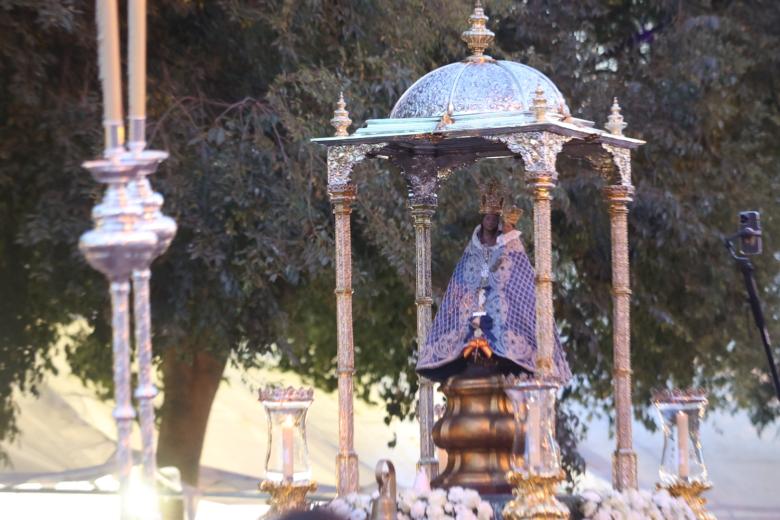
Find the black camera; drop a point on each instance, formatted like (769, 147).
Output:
(750, 233)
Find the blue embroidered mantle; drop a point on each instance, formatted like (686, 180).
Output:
(510, 302)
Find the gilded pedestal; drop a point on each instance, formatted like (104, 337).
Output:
(476, 431)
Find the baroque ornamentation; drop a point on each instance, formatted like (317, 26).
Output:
(539, 151)
(342, 159)
(424, 173)
(622, 159)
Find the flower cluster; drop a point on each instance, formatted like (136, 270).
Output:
(634, 505)
(438, 504)
(353, 506)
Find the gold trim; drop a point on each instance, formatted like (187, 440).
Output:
(286, 496)
(691, 492)
(534, 497)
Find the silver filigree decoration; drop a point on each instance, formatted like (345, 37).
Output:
(424, 174)
(622, 159)
(342, 159)
(539, 151)
(281, 394)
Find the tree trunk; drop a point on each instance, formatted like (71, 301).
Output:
(189, 389)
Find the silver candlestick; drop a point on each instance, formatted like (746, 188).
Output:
(116, 247)
(164, 229)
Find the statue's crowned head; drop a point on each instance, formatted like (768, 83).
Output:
(491, 201)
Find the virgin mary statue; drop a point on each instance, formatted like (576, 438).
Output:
(488, 314)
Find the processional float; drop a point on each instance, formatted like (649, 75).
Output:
(482, 108)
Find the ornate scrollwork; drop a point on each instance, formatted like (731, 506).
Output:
(622, 159)
(539, 151)
(342, 159)
(424, 174)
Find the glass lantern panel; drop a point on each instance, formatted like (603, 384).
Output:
(287, 458)
(682, 459)
(535, 450)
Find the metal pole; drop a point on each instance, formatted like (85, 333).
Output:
(624, 473)
(422, 214)
(146, 391)
(746, 266)
(123, 411)
(346, 460)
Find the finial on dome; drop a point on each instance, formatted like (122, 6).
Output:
(615, 123)
(539, 104)
(341, 120)
(478, 37)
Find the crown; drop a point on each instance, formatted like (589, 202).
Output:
(491, 199)
(512, 215)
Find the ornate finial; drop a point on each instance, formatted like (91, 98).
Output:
(341, 120)
(615, 123)
(491, 199)
(478, 37)
(540, 104)
(512, 215)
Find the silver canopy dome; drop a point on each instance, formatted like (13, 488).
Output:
(478, 84)
(474, 86)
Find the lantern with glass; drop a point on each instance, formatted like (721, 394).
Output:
(682, 471)
(287, 469)
(536, 461)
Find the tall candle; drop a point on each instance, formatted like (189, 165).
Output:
(136, 65)
(288, 467)
(682, 444)
(110, 73)
(534, 434)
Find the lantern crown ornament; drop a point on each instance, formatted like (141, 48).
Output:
(615, 123)
(491, 200)
(341, 120)
(478, 37)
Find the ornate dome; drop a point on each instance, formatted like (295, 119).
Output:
(478, 84)
(473, 86)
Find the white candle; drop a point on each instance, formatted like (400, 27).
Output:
(109, 63)
(682, 444)
(534, 435)
(287, 449)
(136, 10)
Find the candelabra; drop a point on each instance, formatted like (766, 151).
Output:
(164, 229)
(129, 233)
(117, 246)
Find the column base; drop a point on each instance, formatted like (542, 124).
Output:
(347, 474)
(624, 468)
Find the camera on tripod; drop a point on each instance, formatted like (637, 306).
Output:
(749, 233)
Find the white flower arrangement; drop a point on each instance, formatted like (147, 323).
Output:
(634, 505)
(437, 504)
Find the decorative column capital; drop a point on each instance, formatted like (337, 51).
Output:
(539, 151)
(619, 196)
(424, 173)
(342, 159)
(621, 157)
(342, 197)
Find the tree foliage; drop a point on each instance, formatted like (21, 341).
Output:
(236, 90)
